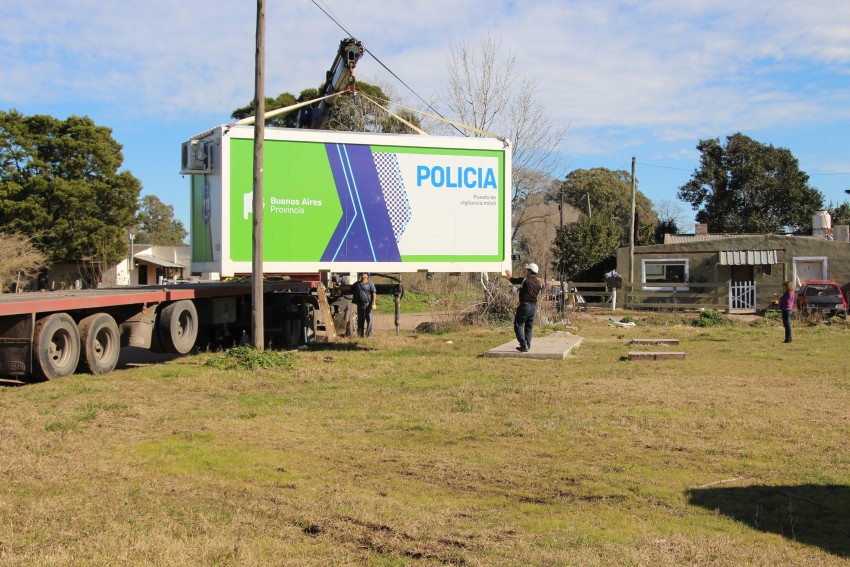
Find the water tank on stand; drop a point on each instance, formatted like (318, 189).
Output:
(822, 224)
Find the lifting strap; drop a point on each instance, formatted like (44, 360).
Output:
(394, 115)
(284, 110)
(296, 106)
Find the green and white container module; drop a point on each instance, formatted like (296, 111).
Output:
(347, 202)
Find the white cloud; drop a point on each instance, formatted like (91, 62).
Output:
(624, 74)
(615, 63)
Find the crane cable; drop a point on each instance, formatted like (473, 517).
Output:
(442, 119)
(381, 63)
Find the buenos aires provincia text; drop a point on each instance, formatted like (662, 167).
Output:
(292, 206)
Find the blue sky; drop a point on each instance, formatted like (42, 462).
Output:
(643, 78)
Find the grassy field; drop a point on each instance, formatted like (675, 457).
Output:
(413, 450)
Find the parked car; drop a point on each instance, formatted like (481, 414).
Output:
(823, 297)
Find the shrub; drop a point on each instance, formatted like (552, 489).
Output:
(710, 318)
(249, 358)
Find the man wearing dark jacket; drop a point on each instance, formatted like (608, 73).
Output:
(529, 289)
(364, 295)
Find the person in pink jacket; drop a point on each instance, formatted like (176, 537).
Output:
(786, 305)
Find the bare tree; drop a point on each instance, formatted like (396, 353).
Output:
(671, 218)
(20, 260)
(357, 114)
(487, 91)
(538, 229)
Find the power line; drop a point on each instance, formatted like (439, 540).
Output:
(683, 169)
(381, 63)
(663, 166)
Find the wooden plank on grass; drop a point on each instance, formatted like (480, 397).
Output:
(330, 328)
(654, 342)
(656, 355)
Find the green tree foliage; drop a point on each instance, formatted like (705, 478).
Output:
(581, 245)
(59, 180)
(748, 187)
(611, 191)
(350, 113)
(280, 121)
(157, 224)
(666, 226)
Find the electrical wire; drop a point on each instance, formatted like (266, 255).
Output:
(381, 63)
(683, 169)
(662, 166)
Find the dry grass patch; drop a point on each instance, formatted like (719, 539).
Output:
(413, 450)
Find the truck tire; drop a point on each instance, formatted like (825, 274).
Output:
(178, 327)
(56, 347)
(101, 343)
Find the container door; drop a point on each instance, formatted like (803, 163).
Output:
(809, 269)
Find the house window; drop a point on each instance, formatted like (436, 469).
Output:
(666, 271)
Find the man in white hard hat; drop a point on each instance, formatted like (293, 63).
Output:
(529, 289)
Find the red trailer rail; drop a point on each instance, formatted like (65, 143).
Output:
(45, 302)
(52, 334)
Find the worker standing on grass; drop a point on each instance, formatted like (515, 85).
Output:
(529, 289)
(364, 296)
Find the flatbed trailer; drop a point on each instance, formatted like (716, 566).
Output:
(46, 335)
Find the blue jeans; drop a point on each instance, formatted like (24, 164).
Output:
(786, 322)
(524, 323)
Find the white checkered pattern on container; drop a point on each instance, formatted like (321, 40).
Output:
(392, 185)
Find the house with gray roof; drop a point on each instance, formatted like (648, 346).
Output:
(731, 272)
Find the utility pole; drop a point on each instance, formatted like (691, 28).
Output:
(632, 232)
(561, 208)
(563, 293)
(257, 304)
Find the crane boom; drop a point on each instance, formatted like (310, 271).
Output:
(338, 78)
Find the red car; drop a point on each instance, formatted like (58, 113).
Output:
(822, 296)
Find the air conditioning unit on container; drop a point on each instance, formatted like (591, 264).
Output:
(197, 157)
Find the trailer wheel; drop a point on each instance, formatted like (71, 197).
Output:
(56, 346)
(101, 342)
(178, 327)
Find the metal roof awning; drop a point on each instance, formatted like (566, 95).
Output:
(748, 257)
(159, 262)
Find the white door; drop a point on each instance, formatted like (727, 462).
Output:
(809, 269)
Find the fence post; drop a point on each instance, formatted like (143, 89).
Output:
(614, 299)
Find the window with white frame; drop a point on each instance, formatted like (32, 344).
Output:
(666, 271)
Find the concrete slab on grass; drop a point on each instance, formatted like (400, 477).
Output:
(556, 346)
(656, 355)
(654, 342)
